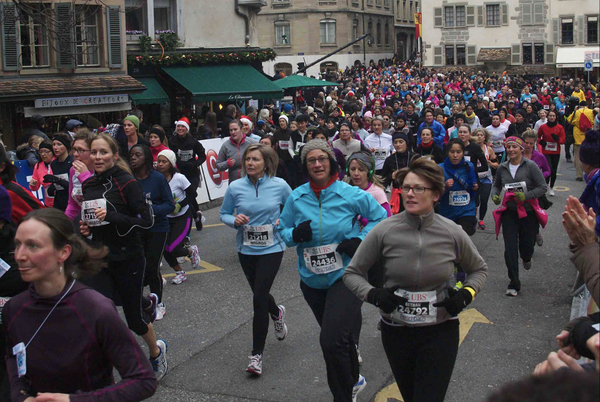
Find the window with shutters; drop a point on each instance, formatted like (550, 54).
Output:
(455, 16)
(165, 12)
(438, 18)
(533, 53)
(449, 17)
(437, 56)
(282, 33)
(115, 48)
(33, 35)
(527, 53)
(461, 16)
(538, 52)
(566, 31)
(328, 31)
(592, 29)
(461, 55)
(449, 55)
(136, 13)
(86, 36)
(492, 12)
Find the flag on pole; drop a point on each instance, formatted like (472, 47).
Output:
(418, 24)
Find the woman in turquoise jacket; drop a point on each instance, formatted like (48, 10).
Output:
(320, 219)
(251, 205)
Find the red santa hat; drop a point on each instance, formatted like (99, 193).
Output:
(183, 122)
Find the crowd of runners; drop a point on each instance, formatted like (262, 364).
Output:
(379, 184)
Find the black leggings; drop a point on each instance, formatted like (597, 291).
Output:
(194, 183)
(519, 238)
(260, 271)
(483, 196)
(180, 227)
(154, 245)
(421, 358)
(336, 311)
(468, 223)
(553, 162)
(124, 281)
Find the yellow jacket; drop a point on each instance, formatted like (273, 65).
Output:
(575, 120)
(579, 94)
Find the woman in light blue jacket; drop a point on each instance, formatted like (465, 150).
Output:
(251, 205)
(320, 218)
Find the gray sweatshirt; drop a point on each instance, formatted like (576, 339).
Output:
(529, 172)
(418, 253)
(230, 150)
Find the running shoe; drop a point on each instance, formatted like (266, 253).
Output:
(195, 257)
(527, 264)
(481, 225)
(160, 364)
(255, 366)
(579, 179)
(179, 278)
(199, 221)
(358, 387)
(181, 260)
(151, 310)
(279, 324)
(511, 292)
(360, 360)
(161, 310)
(551, 192)
(164, 281)
(539, 239)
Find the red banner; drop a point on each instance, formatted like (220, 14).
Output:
(418, 24)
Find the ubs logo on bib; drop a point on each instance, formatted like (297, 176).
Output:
(211, 163)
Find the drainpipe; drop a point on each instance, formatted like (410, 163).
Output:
(246, 20)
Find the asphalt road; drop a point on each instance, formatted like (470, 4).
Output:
(208, 324)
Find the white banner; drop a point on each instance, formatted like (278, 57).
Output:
(216, 181)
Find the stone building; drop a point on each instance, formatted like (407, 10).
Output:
(550, 37)
(305, 30)
(404, 26)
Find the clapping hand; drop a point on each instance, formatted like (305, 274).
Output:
(578, 224)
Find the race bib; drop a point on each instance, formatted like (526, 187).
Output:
(88, 213)
(551, 146)
(380, 153)
(258, 236)
(284, 145)
(428, 157)
(185, 155)
(21, 358)
(467, 158)
(459, 198)
(546, 107)
(64, 176)
(497, 143)
(516, 187)
(418, 309)
(323, 259)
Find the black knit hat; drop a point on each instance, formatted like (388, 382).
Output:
(66, 141)
(46, 144)
(159, 132)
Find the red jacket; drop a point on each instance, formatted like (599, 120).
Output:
(545, 133)
(22, 200)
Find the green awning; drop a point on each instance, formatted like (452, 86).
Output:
(300, 81)
(153, 93)
(224, 82)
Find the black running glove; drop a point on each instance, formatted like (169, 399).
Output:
(302, 232)
(543, 143)
(385, 299)
(554, 137)
(349, 246)
(50, 178)
(456, 301)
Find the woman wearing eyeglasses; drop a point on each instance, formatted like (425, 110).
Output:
(81, 170)
(319, 218)
(417, 301)
(41, 169)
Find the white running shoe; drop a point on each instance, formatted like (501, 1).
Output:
(358, 387)
(161, 310)
(160, 364)
(279, 324)
(181, 260)
(551, 192)
(195, 257)
(255, 366)
(511, 292)
(179, 278)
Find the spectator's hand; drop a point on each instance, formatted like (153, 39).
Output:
(79, 167)
(84, 229)
(496, 199)
(449, 182)
(240, 219)
(578, 224)
(520, 196)
(33, 182)
(567, 348)
(593, 344)
(556, 361)
(302, 232)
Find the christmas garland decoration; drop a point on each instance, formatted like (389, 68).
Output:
(201, 58)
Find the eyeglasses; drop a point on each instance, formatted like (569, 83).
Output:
(415, 189)
(322, 160)
(80, 151)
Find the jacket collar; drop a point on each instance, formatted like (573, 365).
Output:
(420, 221)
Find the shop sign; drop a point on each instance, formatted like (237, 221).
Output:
(81, 101)
(240, 97)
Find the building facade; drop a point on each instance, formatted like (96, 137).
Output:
(550, 37)
(305, 30)
(404, 28)
(61, 58)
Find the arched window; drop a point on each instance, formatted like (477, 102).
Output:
(379, 33)
(370, 31)
(328, 66)
(387, 34)
(285, 67)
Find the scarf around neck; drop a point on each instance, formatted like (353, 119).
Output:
(317, 189)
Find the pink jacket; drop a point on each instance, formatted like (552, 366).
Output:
(39, 171)
(76, 198)
(542, 215)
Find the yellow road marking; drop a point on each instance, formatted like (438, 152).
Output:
(212, 226)
(561, 188)
(208, 267)
(467, 319)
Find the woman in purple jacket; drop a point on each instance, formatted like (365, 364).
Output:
(64, 339)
